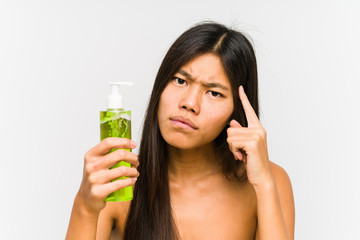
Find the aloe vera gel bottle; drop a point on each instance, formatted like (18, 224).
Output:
(116, 122)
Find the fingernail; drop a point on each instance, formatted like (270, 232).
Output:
(132, 143)
(134, 179)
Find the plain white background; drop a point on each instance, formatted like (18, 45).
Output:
(57, 57)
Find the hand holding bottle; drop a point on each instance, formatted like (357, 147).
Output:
(97, 177)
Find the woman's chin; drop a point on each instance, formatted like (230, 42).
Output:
(186, 144)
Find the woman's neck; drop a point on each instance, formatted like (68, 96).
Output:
(192, 164)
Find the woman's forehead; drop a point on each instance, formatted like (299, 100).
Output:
(206, 67)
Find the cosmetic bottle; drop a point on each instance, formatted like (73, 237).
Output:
(116, 122)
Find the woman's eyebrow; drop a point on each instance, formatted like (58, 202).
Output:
(206, 84)
(215, 85)
(186, 74)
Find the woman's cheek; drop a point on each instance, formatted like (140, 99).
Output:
(214, 126)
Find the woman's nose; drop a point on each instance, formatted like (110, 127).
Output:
(191, 101)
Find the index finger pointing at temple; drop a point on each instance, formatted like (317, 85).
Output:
(252, 119)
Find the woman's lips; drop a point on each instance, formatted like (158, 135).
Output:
(183, 122)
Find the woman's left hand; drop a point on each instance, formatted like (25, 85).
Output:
(248, 144)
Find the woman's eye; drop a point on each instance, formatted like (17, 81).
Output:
(179, 81)
(215, 94)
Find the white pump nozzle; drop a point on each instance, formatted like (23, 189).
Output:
(115, 99)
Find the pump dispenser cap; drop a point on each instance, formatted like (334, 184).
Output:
(115, 99)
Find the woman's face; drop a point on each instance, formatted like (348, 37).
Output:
(196, 104)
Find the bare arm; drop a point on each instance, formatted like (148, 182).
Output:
(82, 223)
(275, 204)
(276, 211)
(97, 184)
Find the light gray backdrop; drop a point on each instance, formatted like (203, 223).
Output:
(57, 57)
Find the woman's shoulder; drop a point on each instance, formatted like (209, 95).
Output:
(280, 176)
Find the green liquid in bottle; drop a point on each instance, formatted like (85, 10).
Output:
(117, 123)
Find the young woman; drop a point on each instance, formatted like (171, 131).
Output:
(204, 166)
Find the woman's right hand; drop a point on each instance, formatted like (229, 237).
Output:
(96, 183)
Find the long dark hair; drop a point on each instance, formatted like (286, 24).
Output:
(150, 215)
